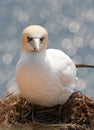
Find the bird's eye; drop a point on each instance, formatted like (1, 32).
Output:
(29, 39)
(41, 39)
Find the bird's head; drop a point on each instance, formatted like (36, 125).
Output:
(34, 38)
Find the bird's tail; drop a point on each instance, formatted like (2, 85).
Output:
(84, 66)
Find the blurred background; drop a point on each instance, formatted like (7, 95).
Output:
(70, 24)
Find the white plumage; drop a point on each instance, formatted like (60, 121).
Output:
(45, 77)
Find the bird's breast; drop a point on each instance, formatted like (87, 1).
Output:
(38, 83)
(32, 73)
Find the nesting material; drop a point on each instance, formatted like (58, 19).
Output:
(76, 114)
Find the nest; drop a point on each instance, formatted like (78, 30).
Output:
(76, 114)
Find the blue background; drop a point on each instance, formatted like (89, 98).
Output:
(70, 24)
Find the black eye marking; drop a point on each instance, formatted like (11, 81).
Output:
(41, 39)
(29, 39)
(32, 39)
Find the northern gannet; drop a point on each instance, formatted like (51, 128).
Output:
(45, 76)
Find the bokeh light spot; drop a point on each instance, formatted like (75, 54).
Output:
(7, 58)
(78, 42)
(74, 27)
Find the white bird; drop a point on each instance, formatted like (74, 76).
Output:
(44, 76)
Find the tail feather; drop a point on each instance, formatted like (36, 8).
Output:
(84, 66)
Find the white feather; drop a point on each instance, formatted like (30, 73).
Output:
(45, 77)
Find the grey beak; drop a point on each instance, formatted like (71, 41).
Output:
(36, 44)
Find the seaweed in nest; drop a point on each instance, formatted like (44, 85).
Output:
(76, 114)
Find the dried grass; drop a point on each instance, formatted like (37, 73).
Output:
(76, 114)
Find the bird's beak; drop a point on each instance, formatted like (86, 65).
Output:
(36, 44)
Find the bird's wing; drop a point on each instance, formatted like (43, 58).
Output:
(62, 66)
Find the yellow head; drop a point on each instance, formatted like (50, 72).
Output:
(34, 38)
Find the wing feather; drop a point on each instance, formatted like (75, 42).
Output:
(62, 66)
